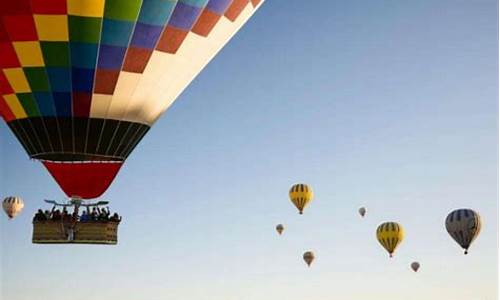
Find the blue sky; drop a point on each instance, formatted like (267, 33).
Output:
(388, 104)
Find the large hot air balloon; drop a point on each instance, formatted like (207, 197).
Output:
(82, 81)
(308, 257)
(280, 228)
(464, 226)
(362, 211)
(300, 195)
(390, 235)
(415, 266)
(12, 206)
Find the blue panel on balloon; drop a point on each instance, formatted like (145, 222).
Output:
(116, 33)
(218, 6)
(63, 104)
(184, 16)
(82, 79)
(156, 12)
(83, 55)
(60, 79)
(111, 57)
(146, 36)
(45, 103)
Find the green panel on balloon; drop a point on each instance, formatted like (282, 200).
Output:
(37, 78)
(29, 104)
(55, 54)
(122, 10)
(84, 29)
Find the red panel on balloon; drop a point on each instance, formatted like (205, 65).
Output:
(8, 59)
(235, 9)
(205, 23)
(5, 111)
(255, 2)
(48, 7)
(87, 180)
(5, 87)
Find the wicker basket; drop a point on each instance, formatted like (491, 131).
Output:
(58, 232)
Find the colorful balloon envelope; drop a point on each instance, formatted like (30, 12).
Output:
(308, 257)
(12, 206)
(463, 225)
(390, 235)
(82, 81)
(301, 195)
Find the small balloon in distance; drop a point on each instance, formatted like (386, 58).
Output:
(362, 211)
(308, 257)
(415, 266)
(12, 206)
(280, 228)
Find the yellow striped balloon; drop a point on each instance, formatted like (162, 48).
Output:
(390, 235)
(300, 195)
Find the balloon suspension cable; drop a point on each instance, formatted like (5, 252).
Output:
(77, 202)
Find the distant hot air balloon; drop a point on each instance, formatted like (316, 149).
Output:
(390, 235)
(464, 226)
(280, 228)
(12, 206)
(308, 257)
(362, 211)
(300, 195)
(82, 81)
(415, 266)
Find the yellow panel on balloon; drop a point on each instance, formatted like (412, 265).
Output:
(52, 27)
(86, 8)
(100, 105)
(17, 80)
(29, 54)
(15, 106)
